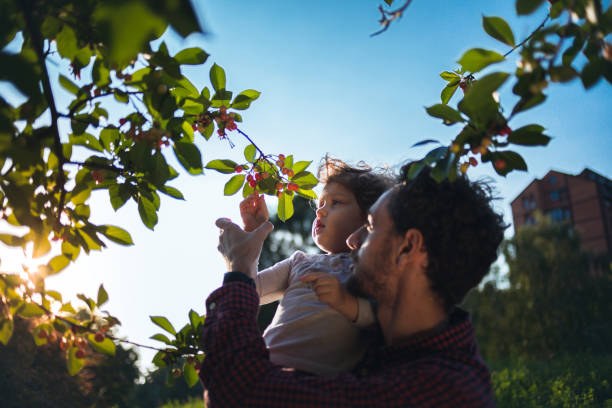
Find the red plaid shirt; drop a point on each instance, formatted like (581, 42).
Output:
(442, 369)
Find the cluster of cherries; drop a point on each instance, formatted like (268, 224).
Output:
(64, 342)
(482, 149)
(157, 137)
(225, 121)
(255, 176)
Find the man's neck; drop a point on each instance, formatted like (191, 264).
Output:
(410, 315)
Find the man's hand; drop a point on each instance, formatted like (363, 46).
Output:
(329, 290)
(239, 248)
(253, 211)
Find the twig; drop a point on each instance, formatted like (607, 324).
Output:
(389, 16)
(529, 37)
(252, 142)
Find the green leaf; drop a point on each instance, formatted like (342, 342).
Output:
(116, 234)
(102, 296)
(234, 184)
(217, 77)
(121, 96)
(73, 363)
(172, 192)
(86, 140)
(478, 102)
(41, 246)
(12, 240)
(109, 138)
(448, 115)
(129, 26)
(189, 156)
(68, 85)
(528, 102)
(70, 251)
(147, 211)
(249, 153)
(513, 160)
(6, 330)
(57, 264)
(162, 338)
(530, 135)
(524, 7)
(300, 166)
(478, 58)
(222, 166)
(435, 155)
(307, 194)
(54, 294)
(562, 74)
(66, 42)
(119, 194)
(163, 323)
(29, 310)
(159, 169)
(450, 76)
(415, 169)
(191, 56)
(448, 92)
(243, 100)
(195, 319)
(106, 346)
(285, 206)
(90, 302)
(190, 374)
(497, 28)
(305, 180)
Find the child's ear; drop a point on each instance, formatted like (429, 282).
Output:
(411, 246)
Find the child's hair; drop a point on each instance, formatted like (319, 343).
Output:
(365, 183)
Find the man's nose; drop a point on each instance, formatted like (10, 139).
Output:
(355, 240)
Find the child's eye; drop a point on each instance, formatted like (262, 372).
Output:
(334, 202)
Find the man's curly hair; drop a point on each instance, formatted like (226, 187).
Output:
(366, 183)
(461, 231)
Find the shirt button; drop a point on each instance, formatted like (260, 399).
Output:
(212, 306)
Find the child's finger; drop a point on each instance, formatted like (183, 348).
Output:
(311, 277)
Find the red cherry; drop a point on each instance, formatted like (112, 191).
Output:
(293, 187)
(80, 353)
(258, 176)
(42, 334)
(99, 337)
(500, 164)
(252, 183)
(279, 186)
(473, 161)
(238, 169)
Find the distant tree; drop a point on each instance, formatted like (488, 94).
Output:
(558, 300)
(37, 377)
(160, 387)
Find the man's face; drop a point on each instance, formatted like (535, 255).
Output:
(372, 253)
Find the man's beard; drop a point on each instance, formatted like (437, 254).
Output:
(362, 282)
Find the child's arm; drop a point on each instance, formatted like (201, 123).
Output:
(329, 290)
(253, 211)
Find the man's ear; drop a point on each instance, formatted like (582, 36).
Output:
(411, 246)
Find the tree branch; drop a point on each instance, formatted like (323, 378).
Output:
(389, 16)
(38, 42)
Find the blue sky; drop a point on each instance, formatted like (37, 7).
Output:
(327, 87)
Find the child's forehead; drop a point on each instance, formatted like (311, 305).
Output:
(335, 188)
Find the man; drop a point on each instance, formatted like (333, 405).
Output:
(424, 246)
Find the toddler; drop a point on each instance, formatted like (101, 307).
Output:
(316, 326)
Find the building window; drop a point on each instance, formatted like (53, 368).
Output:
(552, 179)
(554, 195)
(559, 214)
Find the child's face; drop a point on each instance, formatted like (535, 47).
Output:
(338, 216)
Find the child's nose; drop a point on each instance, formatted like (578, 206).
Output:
(321, 212)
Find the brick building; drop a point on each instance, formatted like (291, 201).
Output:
(584, 200)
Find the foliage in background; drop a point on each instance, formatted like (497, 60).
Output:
(569, 381)
(558, 299)
(36, 376)
(547, 335)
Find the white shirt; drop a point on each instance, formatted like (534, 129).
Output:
(305, 333)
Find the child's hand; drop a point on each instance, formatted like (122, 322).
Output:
(254, 212)
(329, 290)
